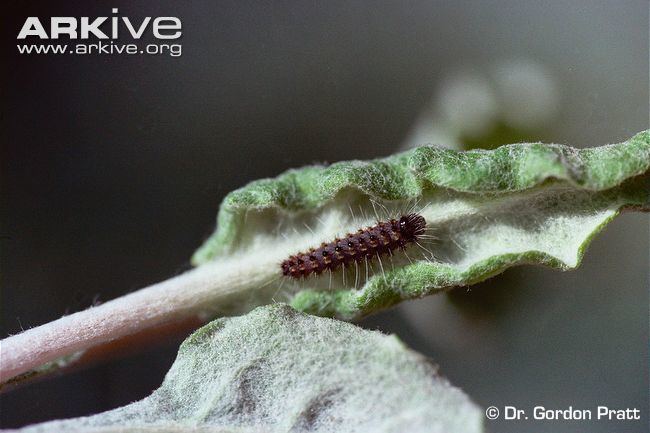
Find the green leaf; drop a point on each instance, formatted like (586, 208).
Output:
(278, 370)
(521, 203)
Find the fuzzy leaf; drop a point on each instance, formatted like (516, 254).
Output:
(278, 370)
(522, 203)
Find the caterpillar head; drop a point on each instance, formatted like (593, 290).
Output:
(411, 226)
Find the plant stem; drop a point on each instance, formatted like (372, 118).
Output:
(216, 288)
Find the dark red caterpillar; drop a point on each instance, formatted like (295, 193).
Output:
(369, 243)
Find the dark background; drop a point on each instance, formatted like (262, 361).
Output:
(113, 168)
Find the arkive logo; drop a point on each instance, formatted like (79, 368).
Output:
(82, 28)
(108, 28)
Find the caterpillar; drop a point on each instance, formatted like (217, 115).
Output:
(369, 243)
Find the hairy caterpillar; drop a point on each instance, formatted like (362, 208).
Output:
(366, 244)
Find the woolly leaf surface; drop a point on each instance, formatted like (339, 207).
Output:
(489, 210)
(279, 370)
